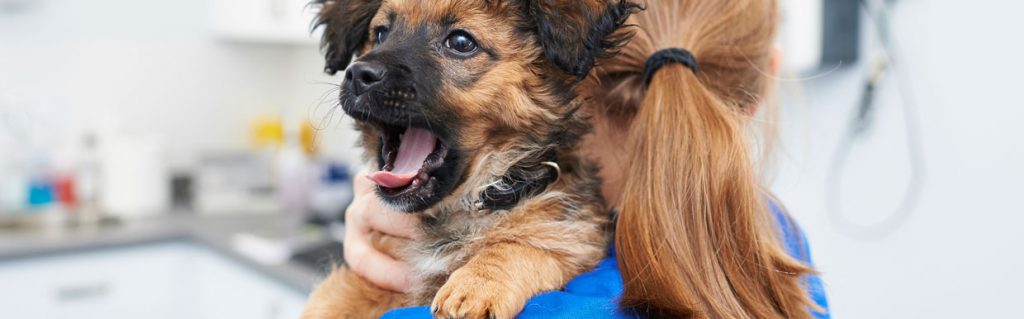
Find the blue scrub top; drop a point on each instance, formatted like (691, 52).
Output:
(595, 294)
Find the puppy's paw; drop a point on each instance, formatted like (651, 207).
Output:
(468, 295)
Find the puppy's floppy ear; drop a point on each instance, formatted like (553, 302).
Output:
(346, 28)
(575, 33)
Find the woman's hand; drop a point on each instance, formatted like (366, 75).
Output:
(365, 215)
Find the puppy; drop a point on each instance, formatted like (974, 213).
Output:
(467, 107)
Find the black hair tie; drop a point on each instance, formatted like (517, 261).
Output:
(667, 56)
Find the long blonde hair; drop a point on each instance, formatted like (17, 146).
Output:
(694, 233)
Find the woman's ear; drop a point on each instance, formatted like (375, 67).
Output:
(776, 62)
(575, 33)
(773, 73)
(346, 28)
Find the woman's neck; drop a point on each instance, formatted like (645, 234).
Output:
(606, 146)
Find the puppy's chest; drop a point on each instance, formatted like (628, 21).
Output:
(447, 245)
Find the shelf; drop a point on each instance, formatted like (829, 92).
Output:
(284, 22)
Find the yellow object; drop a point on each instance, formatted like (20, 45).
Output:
(267, 132)
(270, 132)
(307, 137)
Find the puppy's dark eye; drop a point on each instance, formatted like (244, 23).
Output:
(461, 42)
(381, 33)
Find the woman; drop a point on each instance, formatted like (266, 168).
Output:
(696, 235)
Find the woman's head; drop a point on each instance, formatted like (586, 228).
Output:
(732, 40)
(694, 234)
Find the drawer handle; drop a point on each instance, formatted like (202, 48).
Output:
(80, 292)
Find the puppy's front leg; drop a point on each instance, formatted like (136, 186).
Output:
(497, 282)
(346, 295)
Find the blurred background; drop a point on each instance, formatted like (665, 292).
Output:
(183, 159)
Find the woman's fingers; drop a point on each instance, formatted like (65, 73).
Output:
(385, 272)
(378, 268)
(380, 218)
(362, 185)
(365, 215)
(376, 216)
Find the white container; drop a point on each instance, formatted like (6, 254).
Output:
(133, 177)
(13, 191)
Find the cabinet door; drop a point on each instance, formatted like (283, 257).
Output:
(228, 289)
(131, 282)
(172, 280)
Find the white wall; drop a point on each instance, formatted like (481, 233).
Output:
(154, 68)
(959, 255)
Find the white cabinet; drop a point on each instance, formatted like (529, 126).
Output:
(265, 21)
(170, 280)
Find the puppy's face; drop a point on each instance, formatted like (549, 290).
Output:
(450, 94)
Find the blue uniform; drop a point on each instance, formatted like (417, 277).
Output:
(595, 294)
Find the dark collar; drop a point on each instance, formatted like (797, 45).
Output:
(523, 181)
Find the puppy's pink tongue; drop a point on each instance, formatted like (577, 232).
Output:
(416, 145)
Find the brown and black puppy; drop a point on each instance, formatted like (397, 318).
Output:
(467, 107)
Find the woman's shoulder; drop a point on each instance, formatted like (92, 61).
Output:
(795, 240)
(793, 236)
(595, 294)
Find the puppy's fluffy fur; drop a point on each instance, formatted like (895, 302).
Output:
(499, 223)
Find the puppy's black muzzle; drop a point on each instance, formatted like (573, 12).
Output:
(397, 82)
(395, 87)
(384, 94)
(363, 76)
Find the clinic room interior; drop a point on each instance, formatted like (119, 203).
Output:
(193, 159)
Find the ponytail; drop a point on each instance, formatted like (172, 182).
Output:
(694, 235)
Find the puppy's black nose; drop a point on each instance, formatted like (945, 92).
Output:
(364, 75)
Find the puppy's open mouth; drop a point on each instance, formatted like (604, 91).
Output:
(408, 155)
